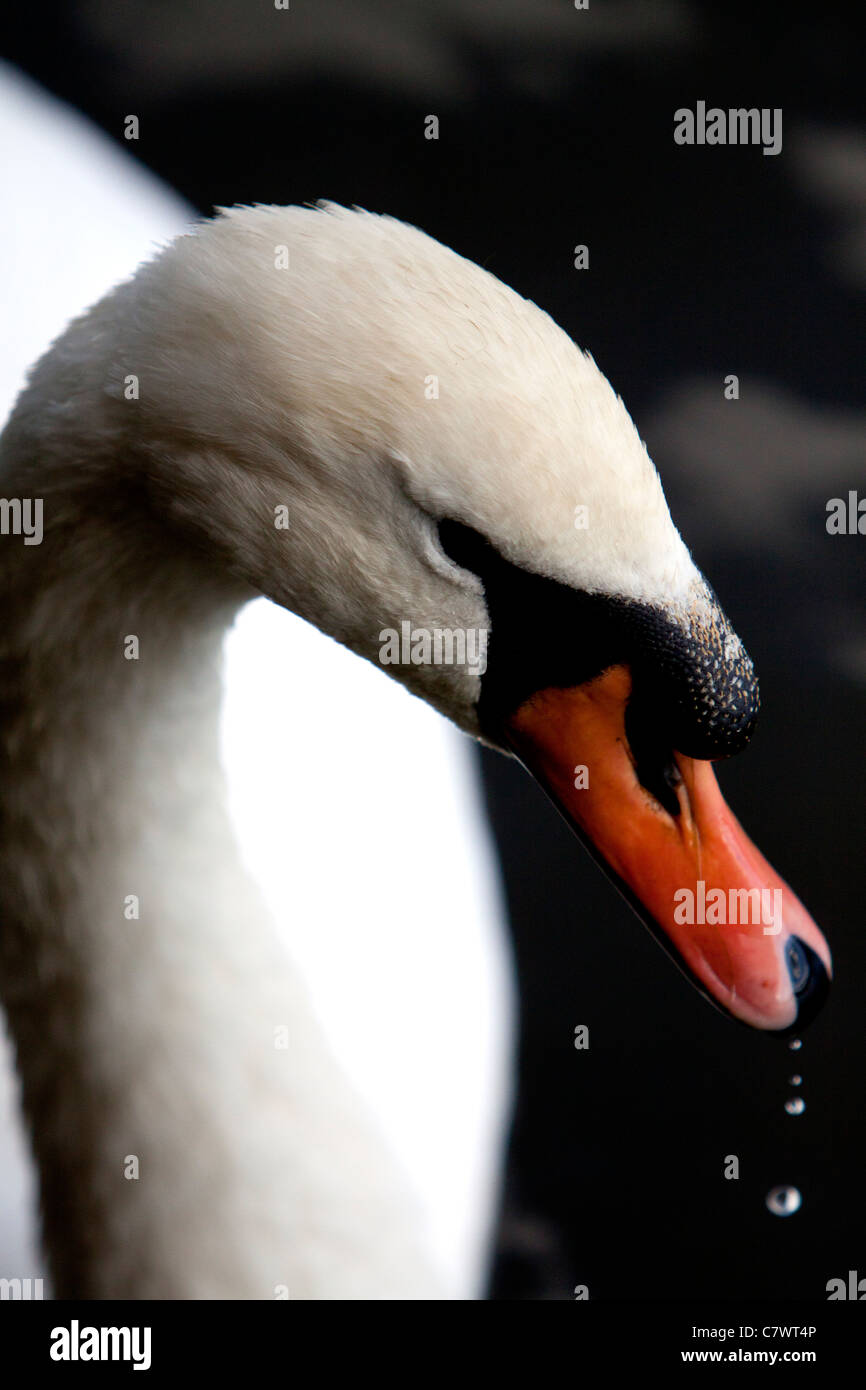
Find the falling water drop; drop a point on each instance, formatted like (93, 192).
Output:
(795, 1044)
(795, 1080)
(783, 1201)
(795, 1106)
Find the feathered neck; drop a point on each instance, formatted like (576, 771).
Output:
(182, 1151)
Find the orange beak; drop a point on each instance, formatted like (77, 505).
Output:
(693, 875)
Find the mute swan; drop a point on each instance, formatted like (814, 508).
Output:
(332, 409)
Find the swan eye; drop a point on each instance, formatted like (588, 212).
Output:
(465, 547)
(442, 561)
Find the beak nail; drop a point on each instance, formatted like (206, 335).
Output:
(809, 978)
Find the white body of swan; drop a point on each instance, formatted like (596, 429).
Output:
(345, 373)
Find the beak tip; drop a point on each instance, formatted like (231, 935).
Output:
(810, 980)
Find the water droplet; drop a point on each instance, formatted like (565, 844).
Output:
(795, 1106)
(783, 1201)
(795, 1044)
(795, 1080)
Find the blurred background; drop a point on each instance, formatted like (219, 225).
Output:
(556, 130)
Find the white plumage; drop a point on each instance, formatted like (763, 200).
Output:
(375, 384)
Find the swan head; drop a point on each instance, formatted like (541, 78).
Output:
(378, 434)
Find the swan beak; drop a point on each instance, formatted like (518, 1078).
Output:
(689, 870)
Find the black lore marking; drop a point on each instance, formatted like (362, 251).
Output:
(695, 689)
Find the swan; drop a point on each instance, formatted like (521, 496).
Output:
(332, 409)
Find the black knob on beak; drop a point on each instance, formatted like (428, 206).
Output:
(809, 978)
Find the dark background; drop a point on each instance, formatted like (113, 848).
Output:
(556, 128)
